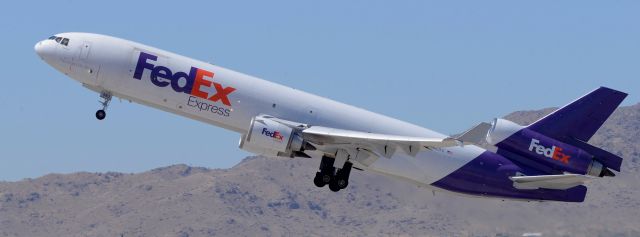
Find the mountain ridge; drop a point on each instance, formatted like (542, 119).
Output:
(276, 197)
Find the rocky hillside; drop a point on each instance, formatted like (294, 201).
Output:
(276, 197)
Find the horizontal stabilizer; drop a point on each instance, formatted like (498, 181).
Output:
(559, 182)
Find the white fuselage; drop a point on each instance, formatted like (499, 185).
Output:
(108, 64)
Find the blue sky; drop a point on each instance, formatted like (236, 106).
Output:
(446, 65)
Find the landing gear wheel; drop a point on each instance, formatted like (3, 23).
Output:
(326, 178)
(319, 180)
(342, 176)
(338, 183)
(333, 185)
(328, 175)
(341, 182)
(327, 170)
(106, 98)
(101, 114)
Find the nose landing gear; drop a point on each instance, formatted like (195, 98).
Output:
(106, 98)
(101, 114)
(336, 178)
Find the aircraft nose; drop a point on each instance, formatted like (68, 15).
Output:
(38, 48)
(43, 49)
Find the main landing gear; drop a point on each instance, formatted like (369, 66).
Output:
(106, 98)
(336, 178)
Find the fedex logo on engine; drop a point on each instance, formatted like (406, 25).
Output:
(554, 152)
(275, 134)
(191, 83)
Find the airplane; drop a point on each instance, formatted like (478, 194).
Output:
(548, 160)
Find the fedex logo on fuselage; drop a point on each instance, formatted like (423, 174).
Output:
(275, 134)
(190, 83)
(554, 152)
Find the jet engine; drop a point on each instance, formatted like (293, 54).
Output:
(557, 155)
(270, 137)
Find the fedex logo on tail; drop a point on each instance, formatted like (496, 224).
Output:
(553, 152)
(182, 82)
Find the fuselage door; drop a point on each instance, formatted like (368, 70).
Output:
(82, 67)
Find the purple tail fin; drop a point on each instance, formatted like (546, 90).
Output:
(576, 122)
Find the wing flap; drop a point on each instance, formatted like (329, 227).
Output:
(383, 144)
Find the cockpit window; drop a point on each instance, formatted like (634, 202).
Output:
(60, 40)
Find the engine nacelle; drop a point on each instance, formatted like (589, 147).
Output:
(542, 149)
(269, 137)
(502, 129)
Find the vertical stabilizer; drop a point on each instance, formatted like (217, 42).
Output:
(576, 122)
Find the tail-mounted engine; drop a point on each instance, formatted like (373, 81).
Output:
(550, 152)
(270, 136)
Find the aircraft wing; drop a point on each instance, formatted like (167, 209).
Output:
(561, 182)
(382, 144)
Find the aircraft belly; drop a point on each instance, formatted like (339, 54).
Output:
(428, 166)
